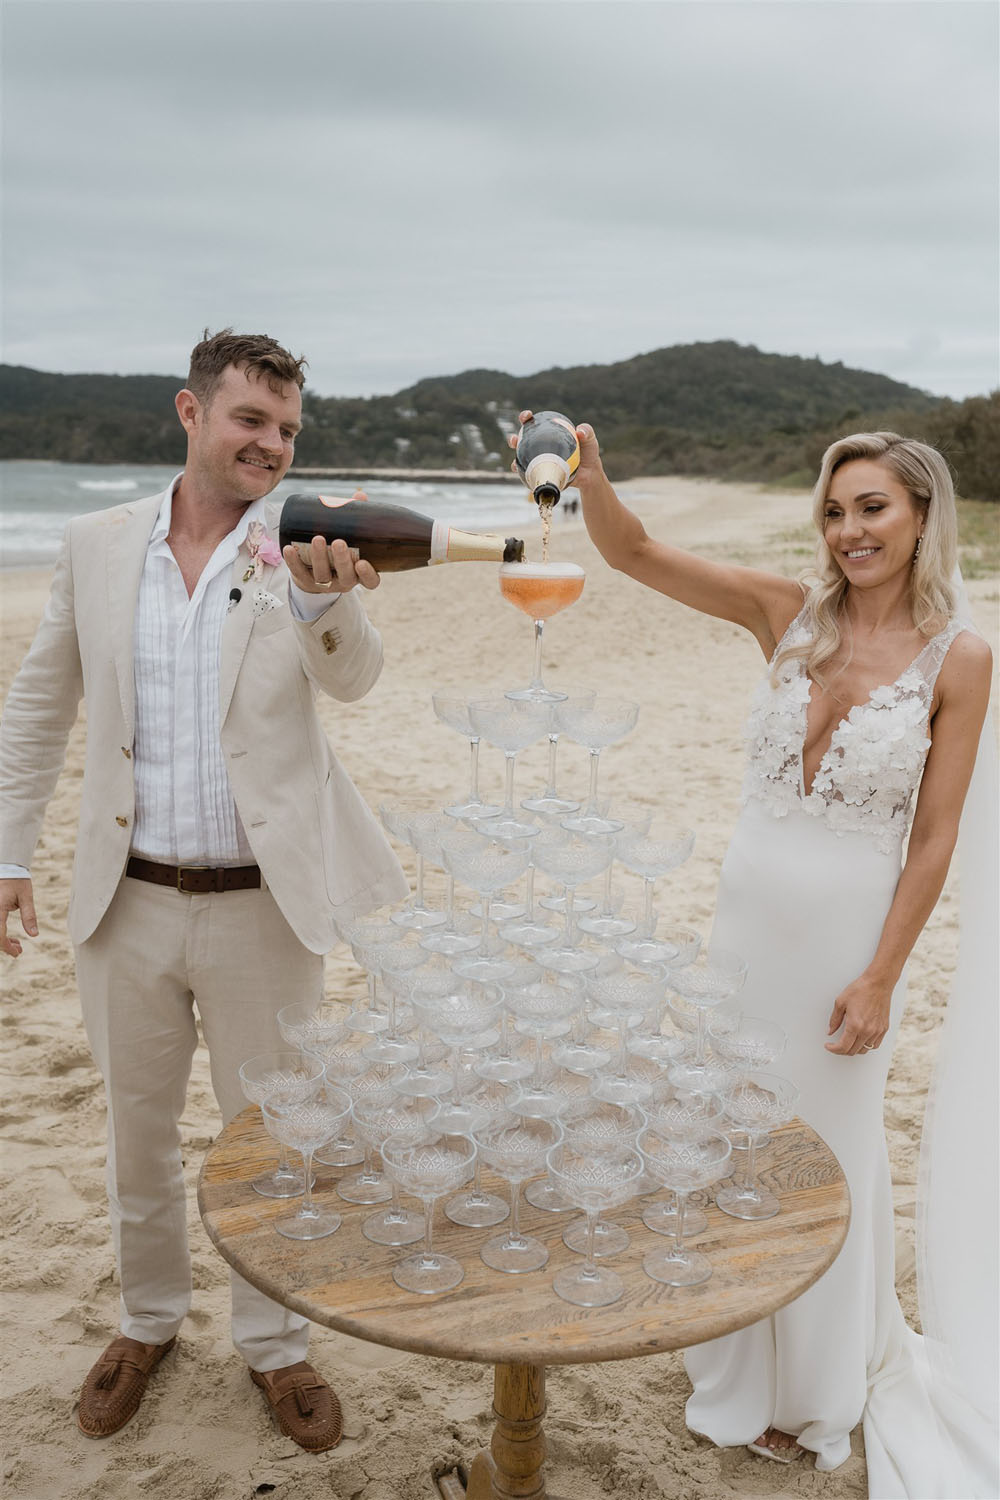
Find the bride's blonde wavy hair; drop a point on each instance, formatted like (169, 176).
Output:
(924, 473)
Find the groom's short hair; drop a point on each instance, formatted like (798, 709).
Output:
(253, 352)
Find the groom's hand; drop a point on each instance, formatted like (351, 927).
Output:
(16, 895)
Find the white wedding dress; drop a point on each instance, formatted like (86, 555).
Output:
(805, 887)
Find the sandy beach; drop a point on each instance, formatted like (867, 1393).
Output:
(613, 1430)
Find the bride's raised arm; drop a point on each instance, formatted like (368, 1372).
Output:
(763, 603)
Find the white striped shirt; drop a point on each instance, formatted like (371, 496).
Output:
(184, 808)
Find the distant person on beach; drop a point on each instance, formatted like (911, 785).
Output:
(865, 733)
(219, 836)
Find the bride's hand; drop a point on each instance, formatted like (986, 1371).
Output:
(861, 1015)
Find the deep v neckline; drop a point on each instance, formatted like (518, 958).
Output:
(879, 687)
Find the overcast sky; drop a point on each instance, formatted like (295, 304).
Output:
(407, 189)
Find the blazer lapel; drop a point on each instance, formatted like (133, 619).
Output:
(128, 542)
(237, 627)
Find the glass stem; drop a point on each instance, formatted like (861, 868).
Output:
(550, 790)
(589, 1263)
(394, 1213)
(451, 902)
(568, 930)
(648, 920)
(681, 1198)
(699, 1050)
(418, 896)
(529, 895)
(368, 1172)
(456, 1074)
(510, 756)
(476, 1194)
(429, 1231)
(606, 910)
(750, 1180)
(307, 1211)
(284, 1167)
(595, 761)
(536, 675)
(474, 777)
(514, 1237)
(503, 1046)
(484, 932)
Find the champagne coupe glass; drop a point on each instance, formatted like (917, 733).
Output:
(606, 722)
(529, 930)
(485, 865)
(756, 1104)
(550, 803)
(627, 996)
(476, 1208)
(427, 1166)
(684, 1166)
(458, 933)
(306, 1124)
(541, 590)
(651, 855)
(599, 1128)
(454, 711)
(374, 1086)
(286, 1073)
(308, 1025)
(713, 977)
(375, 1119)
(363, 935)
(506, 1062)
(426, 1076)
(515, 1148)
(596, 1181)
(510, 725)
(571, 859)
(608, 921)
(392, 961)
(459, 1018)
(343, 1058)
(683, 1117)
(543, 1010)
(414, 913)
(745, 1043)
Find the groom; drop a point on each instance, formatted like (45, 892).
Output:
(219, 838)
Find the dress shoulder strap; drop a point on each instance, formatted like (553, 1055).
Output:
(931, 658)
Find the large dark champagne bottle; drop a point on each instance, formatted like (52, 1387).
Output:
(390, 537)
(547, 455)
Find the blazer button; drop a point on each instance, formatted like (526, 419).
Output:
(126, 752)
(122, 822)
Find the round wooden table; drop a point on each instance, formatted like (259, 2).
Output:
(517, 1323)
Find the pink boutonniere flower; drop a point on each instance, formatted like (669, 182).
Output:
(263, 550)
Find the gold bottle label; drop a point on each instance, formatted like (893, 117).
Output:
(448, 544)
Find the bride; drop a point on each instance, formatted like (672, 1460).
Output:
(864, 729)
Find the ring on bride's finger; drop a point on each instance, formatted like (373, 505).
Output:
(868, 1046)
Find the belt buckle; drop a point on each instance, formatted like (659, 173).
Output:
(183, 870)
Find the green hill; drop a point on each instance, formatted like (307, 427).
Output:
(721, 409)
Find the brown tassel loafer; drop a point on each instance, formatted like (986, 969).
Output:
(114, 1388)
(305, 1407)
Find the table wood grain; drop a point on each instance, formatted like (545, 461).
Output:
(345, 1282)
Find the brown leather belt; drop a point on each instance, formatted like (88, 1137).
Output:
(195, 880)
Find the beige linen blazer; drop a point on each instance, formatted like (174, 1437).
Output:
(322, 853)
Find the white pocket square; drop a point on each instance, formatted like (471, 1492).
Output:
(263, 602)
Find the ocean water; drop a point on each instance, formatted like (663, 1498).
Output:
(38, 498)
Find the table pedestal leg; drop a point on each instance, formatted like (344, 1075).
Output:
(512, 1469)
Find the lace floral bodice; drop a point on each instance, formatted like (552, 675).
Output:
(868, 777)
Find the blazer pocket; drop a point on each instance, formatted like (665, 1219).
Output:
(279, 618)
